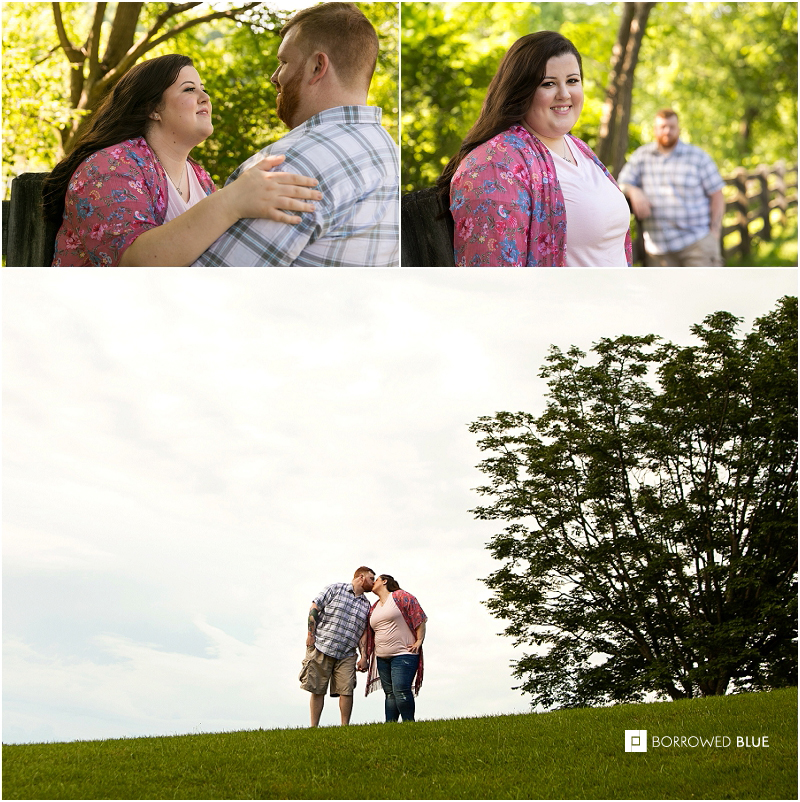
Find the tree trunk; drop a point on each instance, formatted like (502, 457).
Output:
(613, 141)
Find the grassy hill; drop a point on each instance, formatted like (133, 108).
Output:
(571, 754)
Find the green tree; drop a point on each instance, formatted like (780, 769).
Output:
(651, 545)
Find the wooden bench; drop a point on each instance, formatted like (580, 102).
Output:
(27, 240)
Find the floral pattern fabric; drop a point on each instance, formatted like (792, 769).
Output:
(507, 204)
(413, 615)
(115, 195)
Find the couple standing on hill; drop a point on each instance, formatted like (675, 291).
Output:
(388, 635)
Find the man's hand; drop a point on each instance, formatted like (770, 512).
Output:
(310, 640)
(362, 664)
(639, 202)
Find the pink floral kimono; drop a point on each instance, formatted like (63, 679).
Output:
(508, 207)
(114, 196)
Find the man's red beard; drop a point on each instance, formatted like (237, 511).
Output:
(289, 99)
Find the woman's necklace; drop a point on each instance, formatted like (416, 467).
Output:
(566, 156)
(168, 175)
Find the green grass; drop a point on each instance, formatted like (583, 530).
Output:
(571, 754)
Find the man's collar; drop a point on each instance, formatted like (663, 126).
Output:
(352, 115)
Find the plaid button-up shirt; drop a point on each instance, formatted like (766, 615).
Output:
(356, 224)
(678, 185)
(342, 619)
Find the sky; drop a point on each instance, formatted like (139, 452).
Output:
(191, 456)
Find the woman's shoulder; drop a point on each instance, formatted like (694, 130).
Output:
(504, 152)
(128, 157)
(514, 141)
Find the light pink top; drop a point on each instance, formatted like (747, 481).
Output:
(175, 203)
(597, 213)
(392, 634)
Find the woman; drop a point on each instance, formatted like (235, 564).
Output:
(522, 190)
(128, 194)
(395, 632)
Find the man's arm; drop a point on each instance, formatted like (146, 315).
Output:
(362, 649)
(717, 204)
(313, 615)
(639, 201)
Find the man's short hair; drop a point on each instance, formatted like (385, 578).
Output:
(344, 34)
(362, 570)
(666, 114)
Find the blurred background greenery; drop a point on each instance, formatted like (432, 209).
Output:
(728, 69)
(235, 59)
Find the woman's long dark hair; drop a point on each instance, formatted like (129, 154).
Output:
(123, 114)
(509, 96)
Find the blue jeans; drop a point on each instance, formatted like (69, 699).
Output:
(397, 674)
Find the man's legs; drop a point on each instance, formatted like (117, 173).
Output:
(345, 708)
(661, 260)
(314, 677)
(317, 703)
(706, 252)
(343, 684)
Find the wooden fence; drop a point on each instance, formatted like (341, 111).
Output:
(751, 197)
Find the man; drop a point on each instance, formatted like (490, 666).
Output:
(337, 624)
(325, 64)
(676, 190)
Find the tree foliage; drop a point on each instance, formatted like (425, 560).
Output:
(651, 545)
(235, 58)
(714, 63)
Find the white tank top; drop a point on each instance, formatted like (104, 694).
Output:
(175, 203)
(598, 215)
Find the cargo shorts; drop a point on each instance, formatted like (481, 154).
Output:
(319, 669)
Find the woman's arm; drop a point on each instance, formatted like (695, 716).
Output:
(417, 645)
(256, 193)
